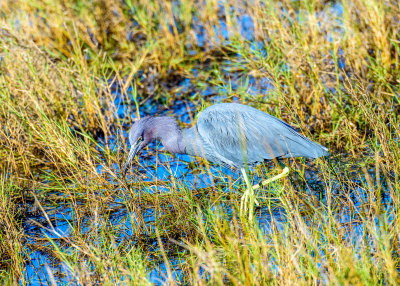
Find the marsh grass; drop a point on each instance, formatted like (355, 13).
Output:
(74, 75)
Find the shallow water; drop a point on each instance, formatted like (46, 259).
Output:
(160, 167)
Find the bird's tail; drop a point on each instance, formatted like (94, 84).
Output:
(301, 146)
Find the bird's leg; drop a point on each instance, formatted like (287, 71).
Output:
(284, 173)
(248, 197)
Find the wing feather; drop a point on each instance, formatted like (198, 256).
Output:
(241, 134)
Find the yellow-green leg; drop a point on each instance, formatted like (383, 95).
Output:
(248, 199)
(284, 173)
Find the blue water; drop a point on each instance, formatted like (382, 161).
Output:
(158, 166)
(161, 167)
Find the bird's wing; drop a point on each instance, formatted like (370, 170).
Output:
(242, 134)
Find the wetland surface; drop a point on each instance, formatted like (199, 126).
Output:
(75, 75)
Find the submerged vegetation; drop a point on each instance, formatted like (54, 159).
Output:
(74, 75)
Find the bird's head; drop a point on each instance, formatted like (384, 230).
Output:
(140, 136)
(150, 128)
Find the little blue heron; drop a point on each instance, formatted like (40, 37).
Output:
(229, 134)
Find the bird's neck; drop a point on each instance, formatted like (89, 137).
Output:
(166, 130)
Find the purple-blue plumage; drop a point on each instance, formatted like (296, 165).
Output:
(162, 128)
(226, 133)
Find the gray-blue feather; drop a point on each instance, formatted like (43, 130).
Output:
(236, 134)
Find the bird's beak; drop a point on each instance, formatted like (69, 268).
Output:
(134, 149)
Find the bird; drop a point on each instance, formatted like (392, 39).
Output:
(229, 134)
